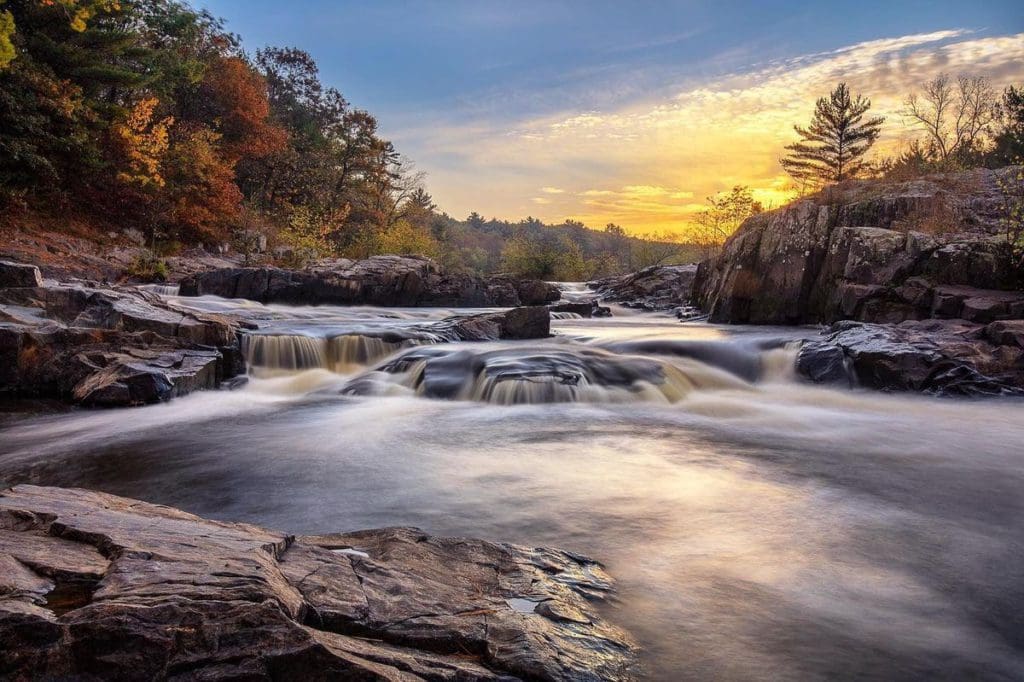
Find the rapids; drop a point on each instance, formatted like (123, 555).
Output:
(758, 527)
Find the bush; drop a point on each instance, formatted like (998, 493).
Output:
(148, 267)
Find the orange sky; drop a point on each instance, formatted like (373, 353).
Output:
(649, 165)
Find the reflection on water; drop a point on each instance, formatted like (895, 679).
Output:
(766, 530)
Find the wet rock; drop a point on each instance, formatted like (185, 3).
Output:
(659, 287)
(380, 280)
(522, 375)
(109, 347)
(945, 357)
(19, 275)
(138, 377)
(164, 594)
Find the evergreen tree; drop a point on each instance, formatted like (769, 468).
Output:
(834, 144)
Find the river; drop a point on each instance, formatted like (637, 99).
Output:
(758, 527)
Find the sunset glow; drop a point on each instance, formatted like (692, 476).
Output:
(633, 116)
(651, 165)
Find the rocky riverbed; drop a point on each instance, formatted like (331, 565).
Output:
(107, 346)
(918, 276)
(102, 587)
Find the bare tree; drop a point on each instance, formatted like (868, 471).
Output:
(954, 116)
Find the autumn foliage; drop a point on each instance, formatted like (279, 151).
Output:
(149, 114)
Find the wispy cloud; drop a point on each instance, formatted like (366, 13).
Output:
(650, 163)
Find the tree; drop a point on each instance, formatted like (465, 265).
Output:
(1009, 137)
(834, 144)
(76, 14)
(142, 143)
(724, 214)
(404, 238)
(954, 116)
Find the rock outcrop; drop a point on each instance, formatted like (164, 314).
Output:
(659, 287)
(102, 587)
(108, 347)
(871, 252)
(943, 357)
(380, 280)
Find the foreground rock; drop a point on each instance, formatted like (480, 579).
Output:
(659, 287)
(873, 252)
(944, 357)
(108, 347)
(102, 587)
(381, 280)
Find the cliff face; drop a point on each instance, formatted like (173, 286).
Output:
(870, 251)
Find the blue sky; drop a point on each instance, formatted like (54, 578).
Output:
(434, 71)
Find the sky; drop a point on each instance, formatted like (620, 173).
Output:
(631, 112)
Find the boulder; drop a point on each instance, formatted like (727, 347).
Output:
(139, 377)
(531, 322)
(19, 275)
(102, 587)
(945, 357)
(585, 308)
(658, 287)
(1006, 333)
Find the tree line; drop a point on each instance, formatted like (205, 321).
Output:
(148, 114)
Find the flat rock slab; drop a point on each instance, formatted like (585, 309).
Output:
(96, 586)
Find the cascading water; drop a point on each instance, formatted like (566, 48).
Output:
(270, 354)
(758, 527)
(517, 376)
(161, 289)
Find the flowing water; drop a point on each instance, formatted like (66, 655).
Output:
(759, 528)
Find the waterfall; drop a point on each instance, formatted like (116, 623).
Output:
(556, 315)
(779, 364)
(161, 289)
(270, 354)
(518, 376)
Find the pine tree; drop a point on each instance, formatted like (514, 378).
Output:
(835, 142)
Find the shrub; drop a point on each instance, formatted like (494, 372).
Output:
(148, 267)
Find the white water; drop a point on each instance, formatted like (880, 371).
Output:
(758, 529)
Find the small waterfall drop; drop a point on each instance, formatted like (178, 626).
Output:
(518, 376)
(270, 354)
(161, 289)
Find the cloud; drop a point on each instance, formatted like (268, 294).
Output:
(649, 164)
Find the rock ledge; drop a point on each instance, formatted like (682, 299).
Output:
(102, 587)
